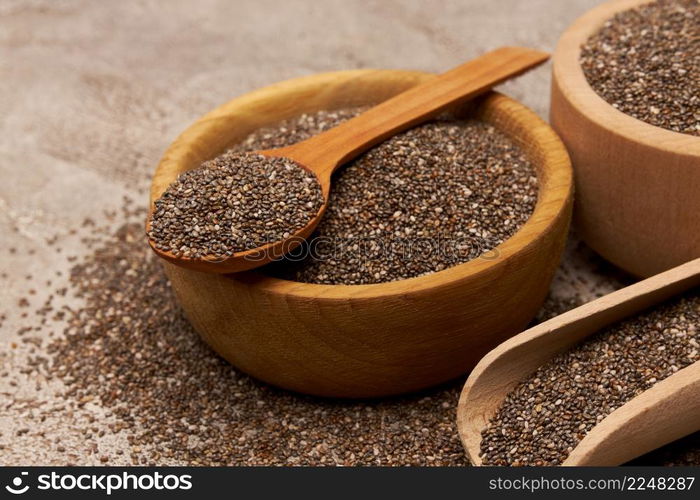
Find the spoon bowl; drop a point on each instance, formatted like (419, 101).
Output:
(248, 259)
(324, 153)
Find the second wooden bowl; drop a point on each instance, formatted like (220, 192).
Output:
(637, 185)
(381, 339)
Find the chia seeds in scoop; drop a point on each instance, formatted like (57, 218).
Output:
(543, 419)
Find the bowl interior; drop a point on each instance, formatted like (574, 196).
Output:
(229, 124)
(572, 81)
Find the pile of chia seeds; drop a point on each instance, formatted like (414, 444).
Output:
(438, 195)
(130, 350)
(646, 63)
(543, 419)
(233, 203)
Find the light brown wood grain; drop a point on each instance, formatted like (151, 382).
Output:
(380, 339)
(637, 185)
(323, 153)
(664, 413)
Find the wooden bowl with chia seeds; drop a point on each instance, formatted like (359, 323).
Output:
(637, 184)
(379, 339)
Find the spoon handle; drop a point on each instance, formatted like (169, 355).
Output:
(323, 153)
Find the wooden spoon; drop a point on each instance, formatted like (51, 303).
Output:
(667, 411)
(324, 153)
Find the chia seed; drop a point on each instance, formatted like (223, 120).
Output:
(234, 203)
(646, 63)
(435, 196)
(543, 419)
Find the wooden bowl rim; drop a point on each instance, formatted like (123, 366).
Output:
(554, 192)
(568, 73)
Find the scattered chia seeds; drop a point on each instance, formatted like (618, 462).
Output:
(233, 203)
(430, 198)
(646, 63)
(543, 419)
(130, 349)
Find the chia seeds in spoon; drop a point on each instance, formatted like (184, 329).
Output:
(233, 203)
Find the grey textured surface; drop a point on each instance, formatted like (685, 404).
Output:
(92, 93)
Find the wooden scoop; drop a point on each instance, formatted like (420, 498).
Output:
(667, 411)
(324, 153)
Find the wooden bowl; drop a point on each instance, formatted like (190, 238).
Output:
(380, 339)
(637, 185)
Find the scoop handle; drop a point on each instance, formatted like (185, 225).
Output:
(324, 152)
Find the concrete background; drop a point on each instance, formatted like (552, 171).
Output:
(91, 93)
